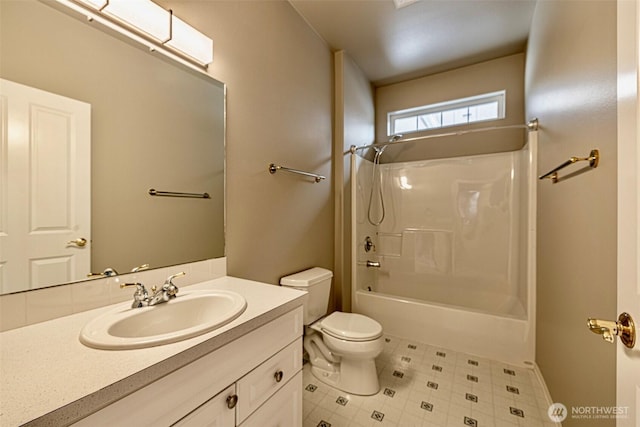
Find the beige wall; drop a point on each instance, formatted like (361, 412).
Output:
(485, 77)
(279, 109)
(354, 125)
(153, 125)
(571, 88)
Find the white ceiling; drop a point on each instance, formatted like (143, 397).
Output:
(422, 38)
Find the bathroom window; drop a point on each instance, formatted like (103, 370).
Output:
(489, 106)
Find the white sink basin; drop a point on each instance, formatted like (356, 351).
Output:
(190, 314)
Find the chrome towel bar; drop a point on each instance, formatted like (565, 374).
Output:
(593, 159)
(273, 168)
(154, 192)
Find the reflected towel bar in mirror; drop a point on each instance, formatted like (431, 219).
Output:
(273, 168)
(593, 159)
(154, 192)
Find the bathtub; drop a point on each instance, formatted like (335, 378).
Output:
(506, 338)
(446, 294)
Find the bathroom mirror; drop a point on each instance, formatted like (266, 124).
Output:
(154, 124)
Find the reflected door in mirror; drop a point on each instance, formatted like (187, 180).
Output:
(45, 191)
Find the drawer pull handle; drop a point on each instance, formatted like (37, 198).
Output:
(232, 401)
(278, 376)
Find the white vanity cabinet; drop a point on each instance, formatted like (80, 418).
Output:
(275, 387)
(255, 380)
(282, 409)
(217, 411)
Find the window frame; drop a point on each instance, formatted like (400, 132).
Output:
(499, 96)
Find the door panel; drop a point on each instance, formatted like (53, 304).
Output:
(51, 146)
(628, 359)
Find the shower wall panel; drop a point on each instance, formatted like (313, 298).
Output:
(452, 231)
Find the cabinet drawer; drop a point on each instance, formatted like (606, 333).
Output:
(215, 412)
(284, 409)
(258, 385)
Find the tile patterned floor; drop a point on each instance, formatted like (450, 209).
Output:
(425, 386)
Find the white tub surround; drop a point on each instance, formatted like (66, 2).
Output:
(453, 262)
(49, 378)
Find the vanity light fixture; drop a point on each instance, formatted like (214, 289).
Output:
(190, 41)
(399, 4)
(149, 24)
(143, 15)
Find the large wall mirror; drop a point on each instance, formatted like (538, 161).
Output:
(151, 124)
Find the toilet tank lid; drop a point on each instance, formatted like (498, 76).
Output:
(307, 277)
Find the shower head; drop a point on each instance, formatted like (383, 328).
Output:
(392, 139)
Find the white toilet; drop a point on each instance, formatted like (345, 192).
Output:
(342, 347)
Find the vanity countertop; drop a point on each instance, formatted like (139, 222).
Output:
(47, 377)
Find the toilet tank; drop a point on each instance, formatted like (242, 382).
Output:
(317, 282)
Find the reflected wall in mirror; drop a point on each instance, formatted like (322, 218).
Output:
(153, 124)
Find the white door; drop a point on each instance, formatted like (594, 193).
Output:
(628, 360)
(45, 189)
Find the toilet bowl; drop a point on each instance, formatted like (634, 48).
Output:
(342, 347)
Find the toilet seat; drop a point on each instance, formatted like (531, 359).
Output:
(350, 327)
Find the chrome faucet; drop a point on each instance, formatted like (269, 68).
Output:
(167, 292)
(140, 296)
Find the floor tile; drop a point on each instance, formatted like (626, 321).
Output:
(428, 386)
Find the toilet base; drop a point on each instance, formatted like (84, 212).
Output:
(357, 377)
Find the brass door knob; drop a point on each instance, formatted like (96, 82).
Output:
(623, 328)
(79, 242)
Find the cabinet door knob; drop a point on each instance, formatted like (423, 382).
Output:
(232, 401)
(278, 376)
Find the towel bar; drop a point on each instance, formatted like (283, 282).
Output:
(154, 192)
(273, 168)
(593, 159)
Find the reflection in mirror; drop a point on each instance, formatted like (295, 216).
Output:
(124, 121)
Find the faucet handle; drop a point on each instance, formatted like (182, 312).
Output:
(139, 287)
(90, 275)
(108, 272)
(140, 296)
(169, 287)
(139, 268)
(173, 276)
(124, 285)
